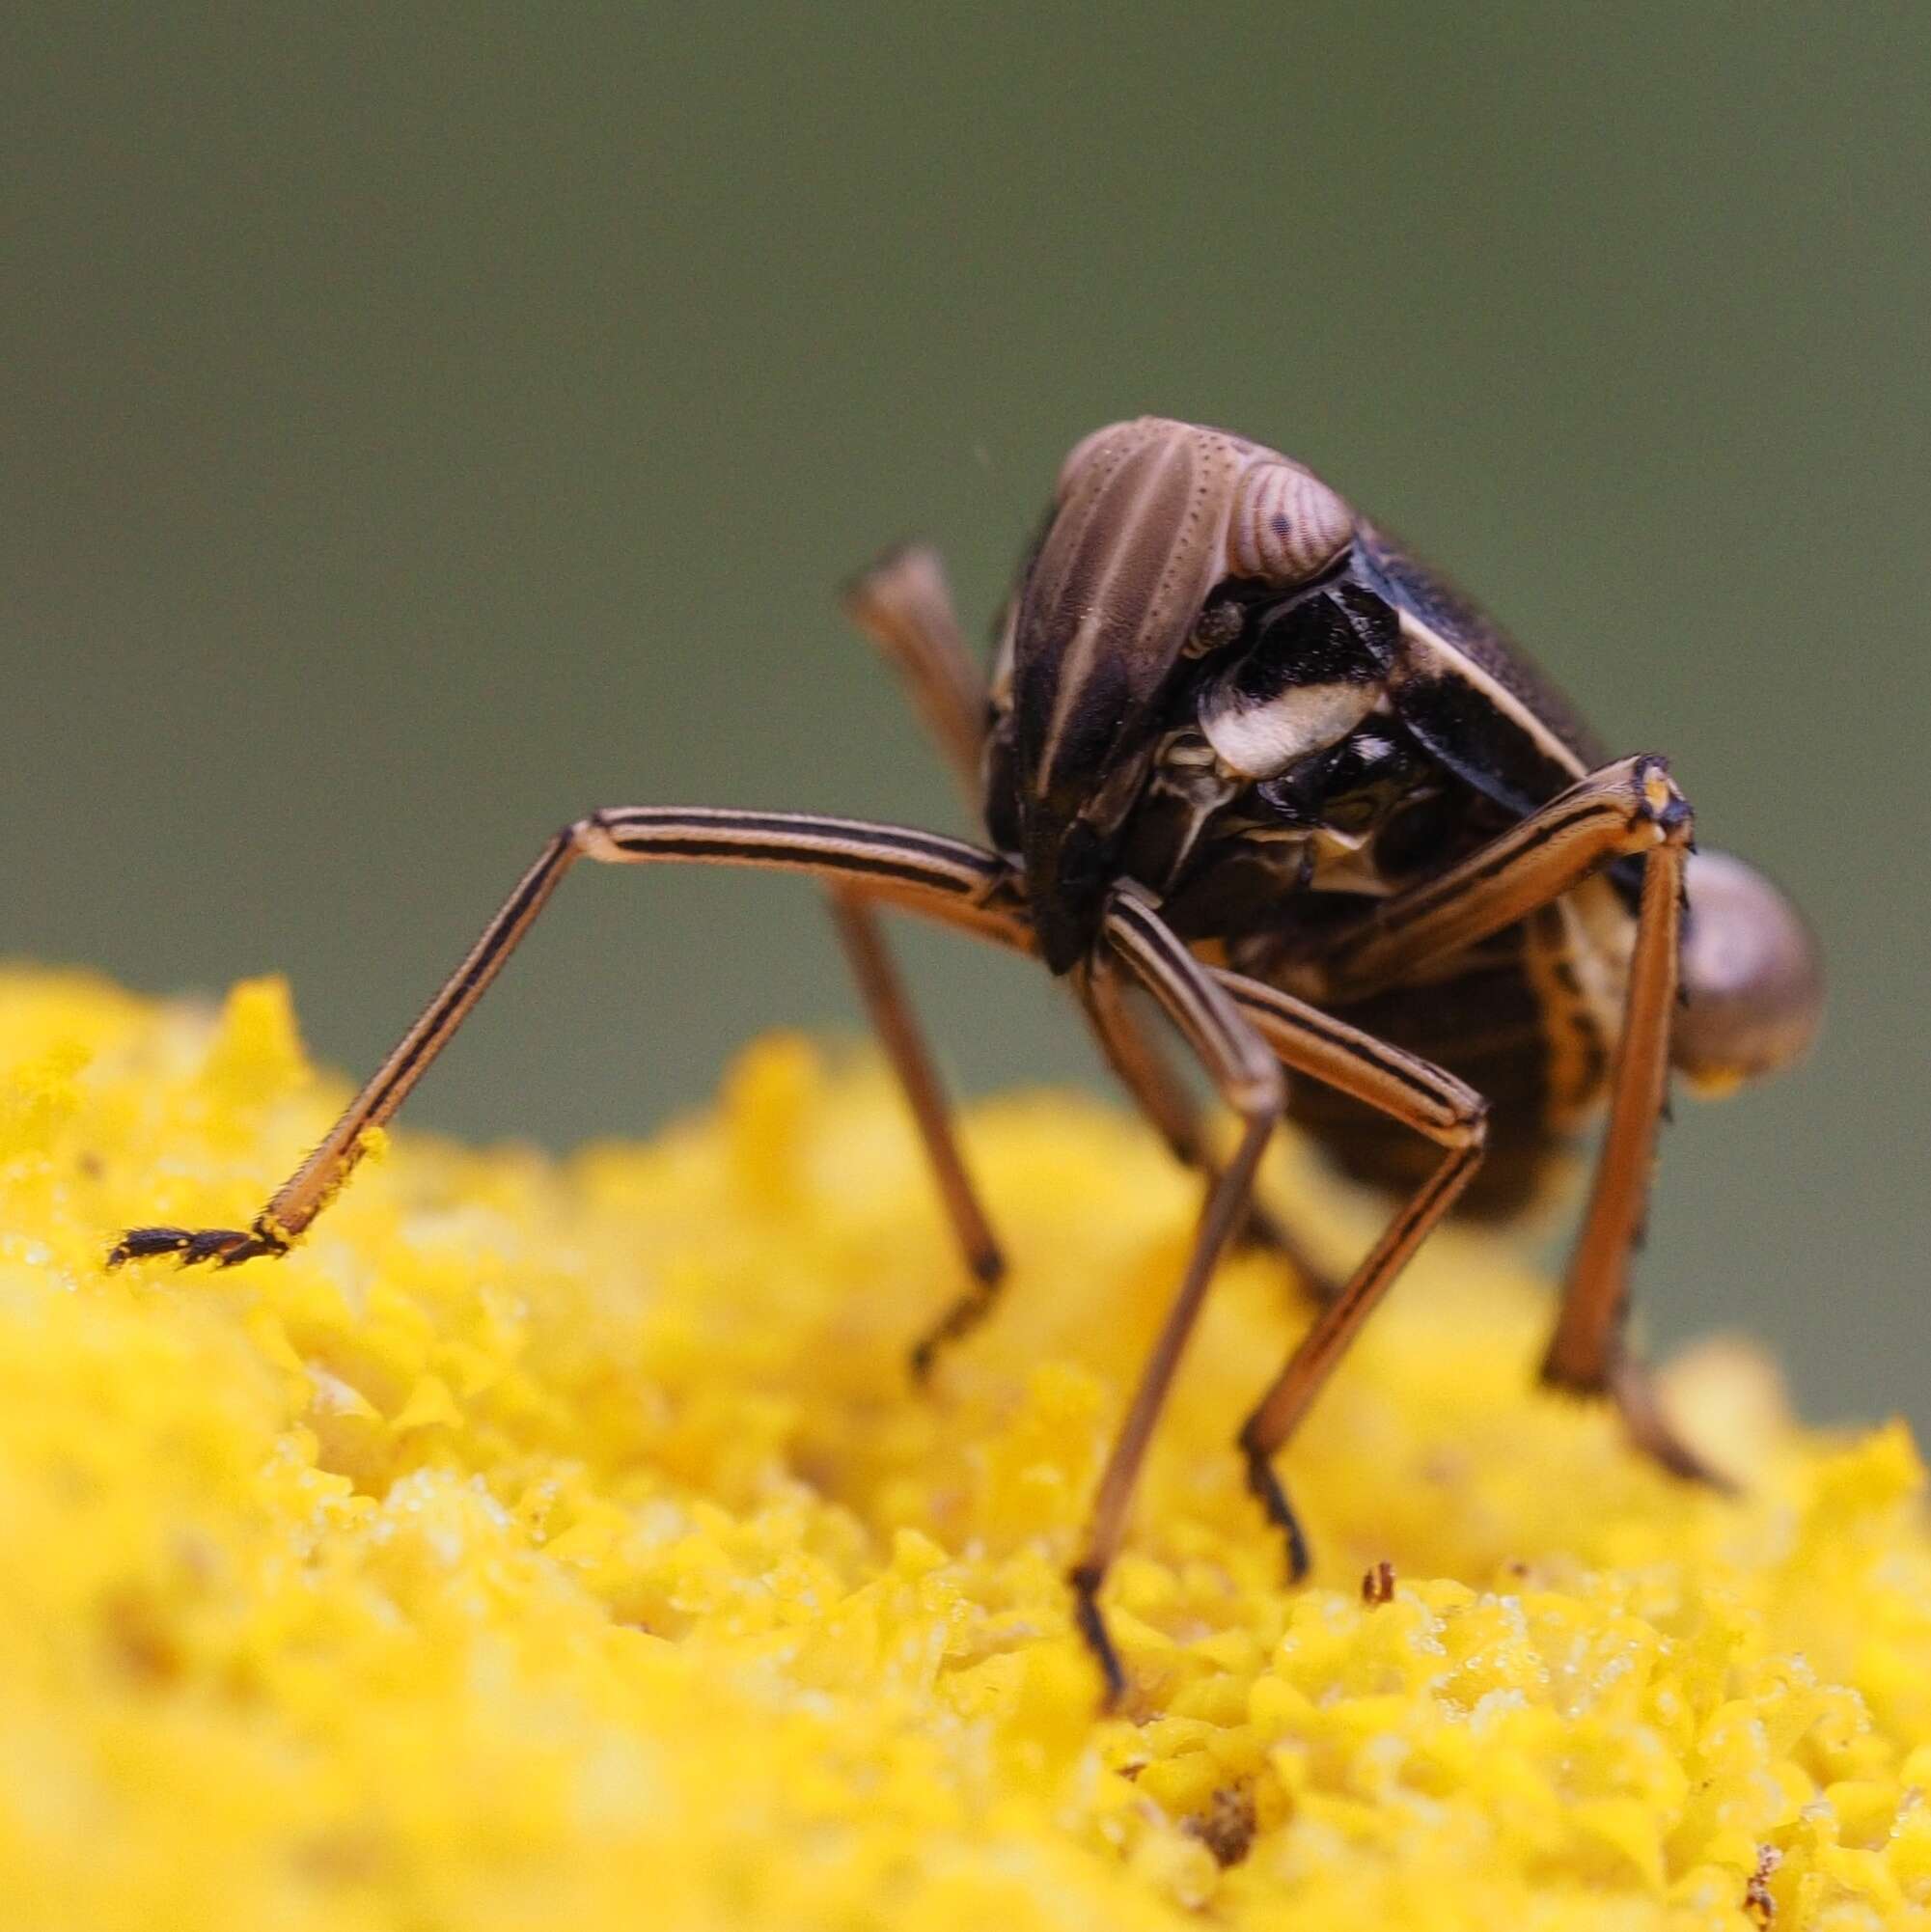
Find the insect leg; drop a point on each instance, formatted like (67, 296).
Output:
(1138, 1064)
(1623, 809)
(883, 992)
(1249, 1080)
(903, 604)
(1419, 1095)
(1587, 1352)
(943, 878)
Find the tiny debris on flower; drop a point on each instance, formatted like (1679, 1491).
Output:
(548, 1543)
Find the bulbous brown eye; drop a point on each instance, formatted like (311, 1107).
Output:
(1286, 524)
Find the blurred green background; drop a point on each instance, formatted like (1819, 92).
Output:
(420, 425)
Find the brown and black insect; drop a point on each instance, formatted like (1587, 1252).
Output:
(1241, 752)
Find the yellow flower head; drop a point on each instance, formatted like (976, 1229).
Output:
(563, 1545)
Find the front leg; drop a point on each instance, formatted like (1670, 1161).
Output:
(944, 878)
(1249, 1080)
(1621, 810)
(225, 1246)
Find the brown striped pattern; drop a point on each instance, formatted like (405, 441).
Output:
(1197, 1002)
(1138, 542)
(943, 876)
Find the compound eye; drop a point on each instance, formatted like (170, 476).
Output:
(1287, 525)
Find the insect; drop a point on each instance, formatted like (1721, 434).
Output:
(1240, 752)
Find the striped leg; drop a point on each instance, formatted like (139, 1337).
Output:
(1140, 1068)
(1627, 809)
(1419, 1095)
(940, 877)
(1249, 1080)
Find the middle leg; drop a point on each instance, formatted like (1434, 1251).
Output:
(893, 1019)
(1249, 1080)
(903, 604)
(1420, 1096)
(1140, 1068)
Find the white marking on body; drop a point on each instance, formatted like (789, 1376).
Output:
(1262, 740)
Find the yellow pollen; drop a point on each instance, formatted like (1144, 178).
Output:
(562, 1543)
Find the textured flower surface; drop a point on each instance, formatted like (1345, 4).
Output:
(560, 1544)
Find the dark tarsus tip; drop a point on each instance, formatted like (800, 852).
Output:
(1266, 1488)
(989, 1267)
(1629, 1384)
(1633, 1388)
(226, 1247)
(1085, 1580)
(1556, 1376)
(138, 1243)
(960, 1319)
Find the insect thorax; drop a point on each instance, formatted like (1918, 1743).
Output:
(1285, 793)
(1283, 789)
